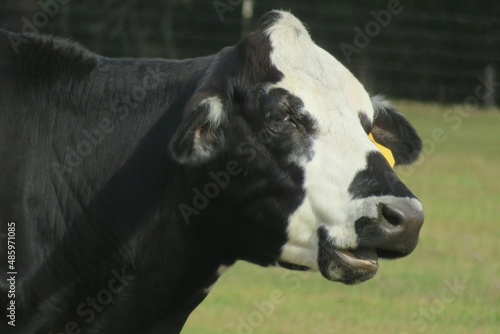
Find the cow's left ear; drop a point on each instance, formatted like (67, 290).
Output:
(200, 136)
(392, 129)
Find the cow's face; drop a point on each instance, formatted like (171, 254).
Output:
(315, 192)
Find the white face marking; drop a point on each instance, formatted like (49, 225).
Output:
(333, 96)
(368, 207)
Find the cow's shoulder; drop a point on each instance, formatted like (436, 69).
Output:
(29, 58)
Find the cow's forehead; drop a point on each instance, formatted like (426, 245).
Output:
(326, 86)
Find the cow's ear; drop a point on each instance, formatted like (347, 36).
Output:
(392, 129)
(200, 137)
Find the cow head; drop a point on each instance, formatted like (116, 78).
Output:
(312, 191)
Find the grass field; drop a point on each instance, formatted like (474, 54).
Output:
(450, 284)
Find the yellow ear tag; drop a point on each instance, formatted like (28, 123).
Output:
(387, 153)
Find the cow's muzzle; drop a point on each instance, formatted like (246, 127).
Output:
(393, 233)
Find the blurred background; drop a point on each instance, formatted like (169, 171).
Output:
(427, 50)
(439, 61)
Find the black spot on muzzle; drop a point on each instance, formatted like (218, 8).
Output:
(378, 179)
(394, 231)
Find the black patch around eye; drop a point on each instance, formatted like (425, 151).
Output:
(275, 114)
(280, 105)
(365, 122)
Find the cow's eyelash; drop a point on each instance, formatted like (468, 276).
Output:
(292, 119)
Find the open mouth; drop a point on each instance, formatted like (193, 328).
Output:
(359, 258)
(346, 265)
(349, 266)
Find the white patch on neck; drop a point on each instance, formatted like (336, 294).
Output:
(221, 270)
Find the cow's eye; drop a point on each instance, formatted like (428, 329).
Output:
(280, 120)
(289, 118)
(275, 115)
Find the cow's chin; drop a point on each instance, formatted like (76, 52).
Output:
(349, 266)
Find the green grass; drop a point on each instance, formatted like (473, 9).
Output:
(458, 183)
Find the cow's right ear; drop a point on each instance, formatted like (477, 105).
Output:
(392, 130)
(200, 136)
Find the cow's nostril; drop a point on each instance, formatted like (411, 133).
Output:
(400, 220)
(392, 216)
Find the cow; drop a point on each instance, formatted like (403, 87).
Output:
(128, 186)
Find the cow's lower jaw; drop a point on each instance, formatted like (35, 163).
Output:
(291, 266)
(349, 266)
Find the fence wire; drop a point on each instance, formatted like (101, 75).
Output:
(424, 50)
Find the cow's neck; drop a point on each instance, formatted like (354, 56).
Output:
(197, 265)
(121, 216)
